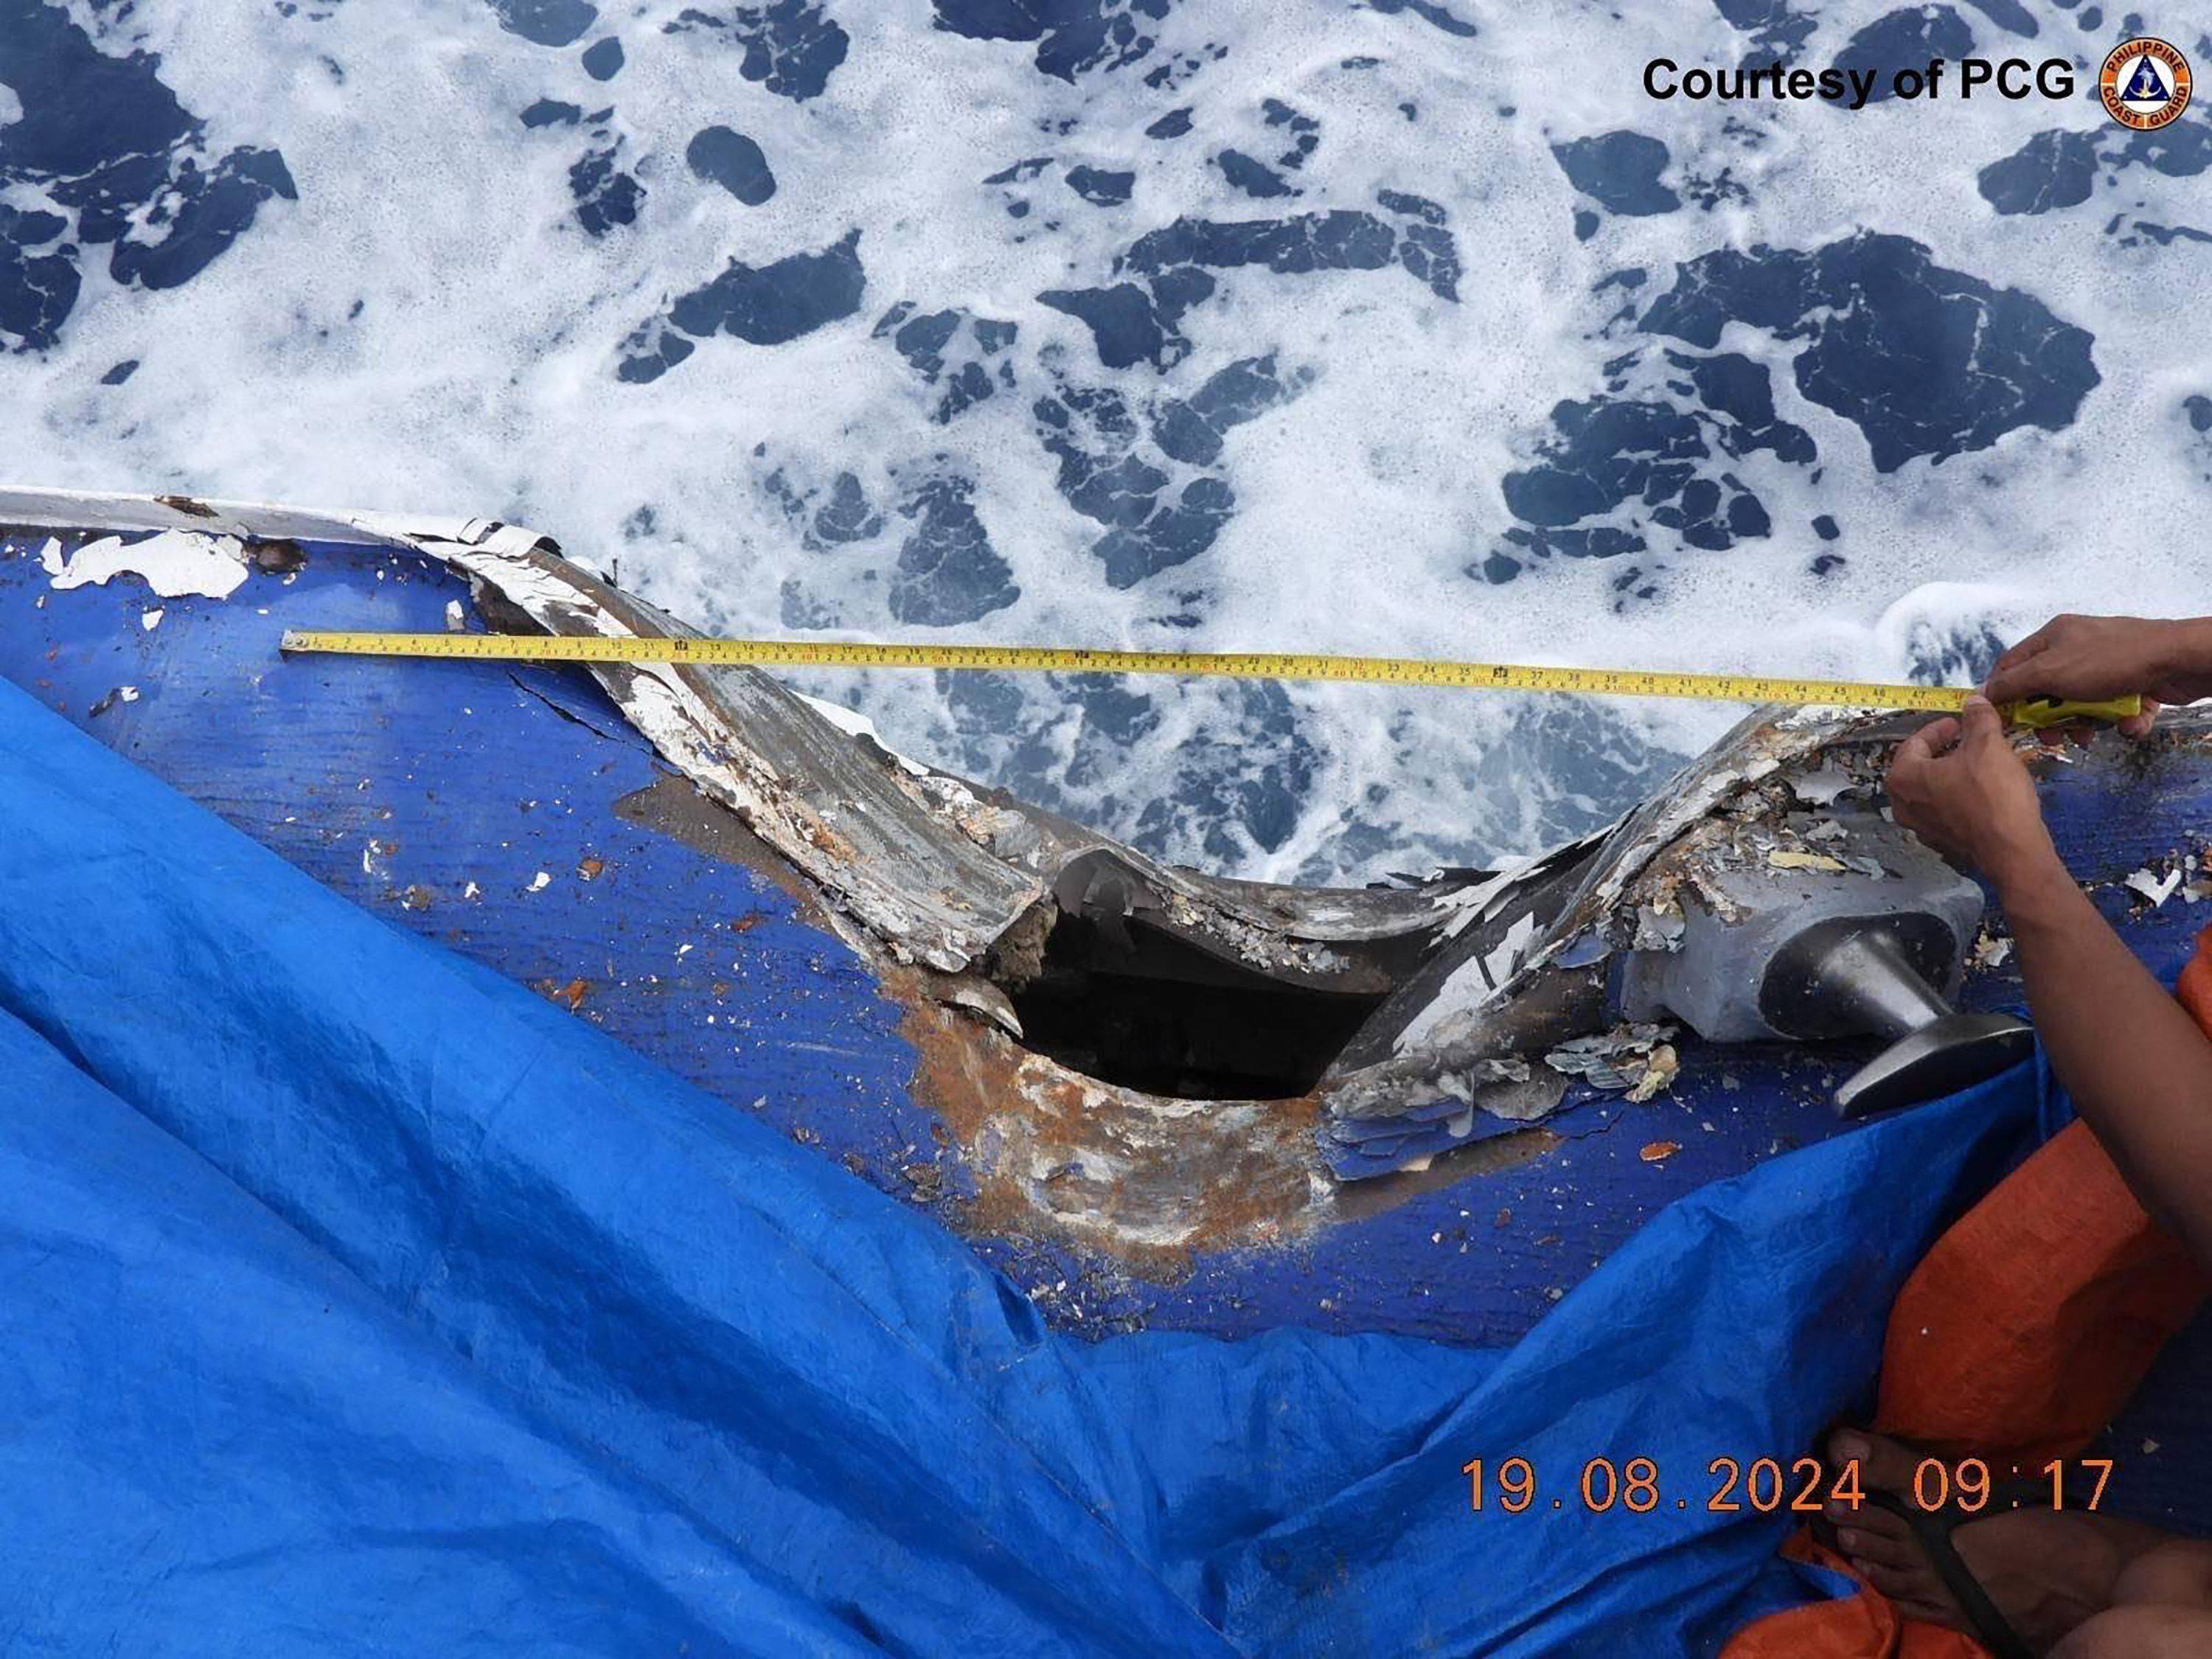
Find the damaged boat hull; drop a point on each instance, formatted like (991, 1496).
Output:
(518, 816)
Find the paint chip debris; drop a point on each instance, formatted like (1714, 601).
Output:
(569, 996)
(1619, 1059)
(2156, 888)
(540, 882)
(1659, 929)
(1658, 1151)
(1786, 858)
(1821, 787)
(172, 563)
(1659, 1074)
(1990, 950)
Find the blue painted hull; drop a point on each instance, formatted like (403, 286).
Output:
(494, 809)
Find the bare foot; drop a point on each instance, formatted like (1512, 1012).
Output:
(2047, 1570)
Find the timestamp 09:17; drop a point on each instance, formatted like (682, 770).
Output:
(1765, 1486)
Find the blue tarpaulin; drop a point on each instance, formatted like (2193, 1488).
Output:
(359, 1301)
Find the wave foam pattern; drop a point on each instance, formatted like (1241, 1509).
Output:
(1408, 328)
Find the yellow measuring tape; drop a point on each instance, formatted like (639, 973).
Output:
(1235, 665)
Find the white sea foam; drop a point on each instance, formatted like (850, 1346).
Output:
(428, 329)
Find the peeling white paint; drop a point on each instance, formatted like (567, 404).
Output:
(1470, 905)
(1454, 1014)
(172, 563)
(854, 723)
(1821, 787)
(2156, 888)
(1501, 962)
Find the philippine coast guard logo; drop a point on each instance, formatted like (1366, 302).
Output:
(2144, 83)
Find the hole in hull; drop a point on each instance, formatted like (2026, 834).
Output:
(1135, 1005)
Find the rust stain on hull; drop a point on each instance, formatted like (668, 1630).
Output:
(676, 808)
(1150, 1181)
(1360, 1200)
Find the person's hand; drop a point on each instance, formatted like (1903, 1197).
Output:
(1959, 785)
(2092, 658)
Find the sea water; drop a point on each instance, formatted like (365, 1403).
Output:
(1412, 327)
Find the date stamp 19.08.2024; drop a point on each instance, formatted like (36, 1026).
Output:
(1769, 1485)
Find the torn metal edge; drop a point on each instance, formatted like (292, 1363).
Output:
(1508, 963)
